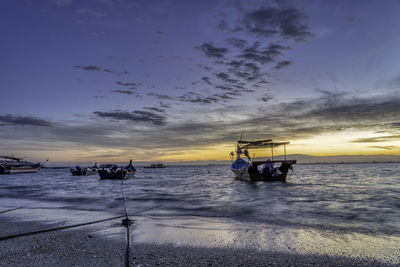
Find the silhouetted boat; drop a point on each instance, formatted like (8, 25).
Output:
(260, 170)
(11, 165)
(79, 171)
(115, 172)
(157, 165)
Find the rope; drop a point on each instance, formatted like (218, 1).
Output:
(126, 222)
(57, 228)
(299, 177)
(4, 211)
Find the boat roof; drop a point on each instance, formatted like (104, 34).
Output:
(11, 157)
(261, 144)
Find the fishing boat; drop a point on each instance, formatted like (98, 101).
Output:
(12, 165)
(117, 173)
(153, 166)
(79, 171)
(250, 169)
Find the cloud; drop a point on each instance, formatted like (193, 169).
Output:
(126, 84)
(10, 119)
(159, 96)
(211, 51)
(282, 64)
(286, 22)
(118, 73)
(90, 68)
(160, 110)
(126, 92)
(207, 80)
(384, 147)
(134, 116)
(95, 68)
(91, 12)
(237, 42)
(377, 139)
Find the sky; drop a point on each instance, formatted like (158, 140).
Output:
(182, 80)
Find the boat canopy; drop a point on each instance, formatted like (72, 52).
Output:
(11, 157)
(261, 144)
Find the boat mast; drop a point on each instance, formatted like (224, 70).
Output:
(284, 148)
(272, 152)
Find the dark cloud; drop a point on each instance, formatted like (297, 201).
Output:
(10, 119)
(134, 116)
(126, 84)
(159, 96)
(90, 68)
(211, 51)
(164, 105)
(192, 97)
(118, 73)
(286, 22)
(237, 42)
(160, 110)
(207, 80)
(127, 92)
(95, 68)
(282, 64)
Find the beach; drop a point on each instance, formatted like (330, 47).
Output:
(89, 246)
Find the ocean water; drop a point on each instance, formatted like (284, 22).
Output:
(350, 210)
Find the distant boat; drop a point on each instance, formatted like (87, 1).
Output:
(11, 165)
(157, 165)
(260, 170)
(79, 171)
(116, 173)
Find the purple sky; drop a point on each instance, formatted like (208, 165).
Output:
(181, 80)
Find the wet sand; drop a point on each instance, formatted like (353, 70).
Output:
(88, 246)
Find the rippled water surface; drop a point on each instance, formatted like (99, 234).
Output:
(351, 209)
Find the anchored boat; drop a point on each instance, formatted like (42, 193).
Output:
(117, 173)
(260, 170)
(11, 165)
(79, 171)
(153, 166)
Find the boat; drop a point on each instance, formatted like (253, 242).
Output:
(157, 165)
(114, 172)
(12, 165)
(260, 170)
(79, 171)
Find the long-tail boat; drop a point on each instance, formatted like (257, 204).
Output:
(260, 170)
(117, 173)
(79, 171)
(12, 165)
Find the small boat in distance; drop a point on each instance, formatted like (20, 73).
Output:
(260, 170)
(156, 165)
(11, 165)
(79, 171)
(114, 172)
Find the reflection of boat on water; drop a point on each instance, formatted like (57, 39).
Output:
(260, 170)
(156, 165)
(79, 171)
(11, 165)
(114, 172)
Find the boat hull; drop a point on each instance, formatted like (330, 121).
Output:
(13, 170)
(87, 172)
(254, 177)
(117, 175)
(252, 174)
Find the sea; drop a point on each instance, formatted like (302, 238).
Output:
(349, 210)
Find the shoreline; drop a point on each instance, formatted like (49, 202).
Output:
(89, 246)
